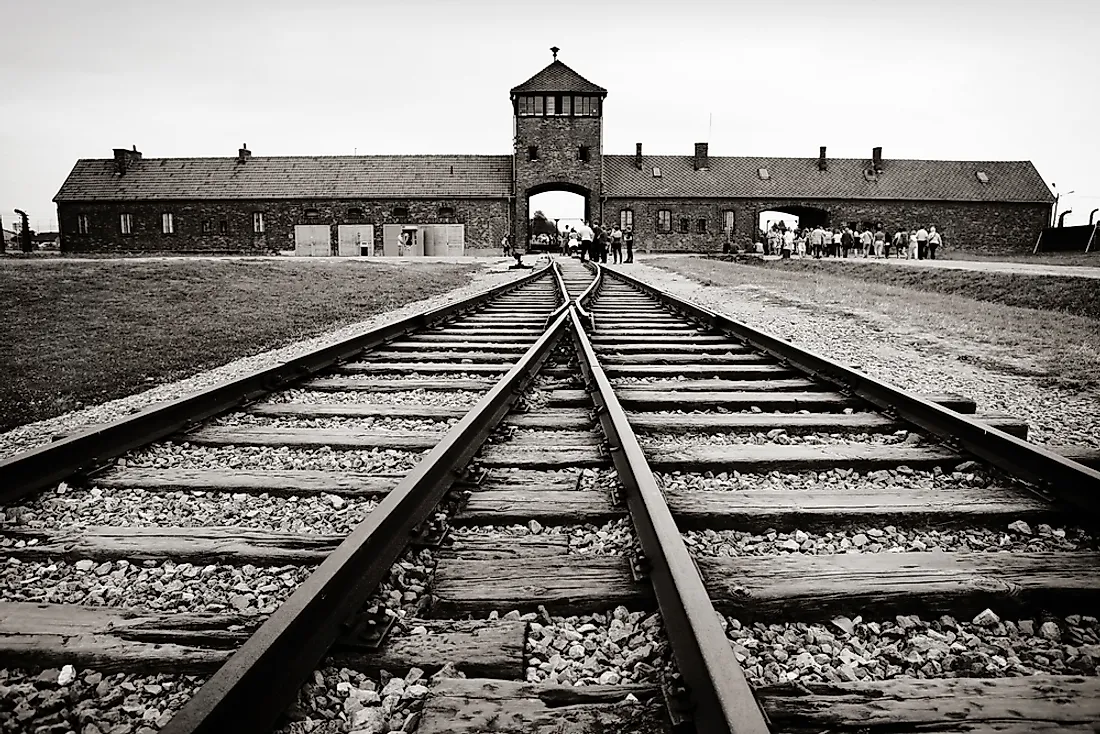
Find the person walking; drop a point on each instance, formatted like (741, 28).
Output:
(922, 243)
(628, 240)
(901, 243)
(834, 249)
(847, 239)
(616, 245)
(912, 244)
(880, 242)
(505, 245)
(817, 238)
(788, 244)
(934, 241)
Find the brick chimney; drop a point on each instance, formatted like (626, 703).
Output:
(124, 159)
(243, 153)
(638, 157)
(701, 155)
(876, 159)
(822, 164)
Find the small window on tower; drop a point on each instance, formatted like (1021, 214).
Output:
(582, 153)
(551, 106)
(532, 153)
(567, 105)
(539, 105)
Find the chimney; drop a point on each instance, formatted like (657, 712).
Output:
(876, 159)
(243, 153)
(124, 159)
(638, 157)
(701, 155)
(822, 164)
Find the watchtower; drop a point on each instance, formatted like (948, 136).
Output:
(557, 134)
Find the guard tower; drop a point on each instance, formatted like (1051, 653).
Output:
(557, 134)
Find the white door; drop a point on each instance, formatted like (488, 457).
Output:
(356, 240)
(312, 240)
(456, 240)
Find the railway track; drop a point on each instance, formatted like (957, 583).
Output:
(625, 515)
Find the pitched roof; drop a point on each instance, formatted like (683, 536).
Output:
(789, 178)
(284, 177)
(558, 78)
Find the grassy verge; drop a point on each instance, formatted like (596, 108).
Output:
(1058, 349)
(82, 333)
(1087, 259)
(1063, 294)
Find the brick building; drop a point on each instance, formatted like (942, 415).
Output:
(464, 204)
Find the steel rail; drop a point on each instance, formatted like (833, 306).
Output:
(563, 291)
(44, 467)
(588, 294)
(249, 692)
(723, 701)
(1065, 479)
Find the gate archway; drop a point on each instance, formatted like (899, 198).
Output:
(526, 211)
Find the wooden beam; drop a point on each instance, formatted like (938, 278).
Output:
(541, 456)
(610, 357)
(352, 384)
(727, 372)
(774, 457)
(312, 438)
(793, 384)
(356, 410)
(559, 419)
(1023, 705)
(795, 423)
(423, 368)
(281, 483)
(501, 507)
(479, 706)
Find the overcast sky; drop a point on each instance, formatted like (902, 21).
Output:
(949, 79)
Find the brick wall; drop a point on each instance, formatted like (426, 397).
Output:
(486, 221)
(972, 227)
(559, 140)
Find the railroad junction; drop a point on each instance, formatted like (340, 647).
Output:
(572, 500)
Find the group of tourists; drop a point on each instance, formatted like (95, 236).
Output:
(593, 241)
(818, 242)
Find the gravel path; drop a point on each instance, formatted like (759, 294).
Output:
(881, 346)
(1016, 537)
(86, 701)
(322, 514)
(909, 646)
(29, 436)
(165, 586)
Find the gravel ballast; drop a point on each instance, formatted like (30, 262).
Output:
(614, 538)
(967, 475)
(450, 398)
(851, 649)
(187, 456)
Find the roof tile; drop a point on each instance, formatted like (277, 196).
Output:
(558, 78)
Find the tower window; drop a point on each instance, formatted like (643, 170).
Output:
(551, 105)
(582, 106)
(582, 153)
(532, 153)
(401, 211)
(82, 223)
(664, 220)
(566, 105)
(539, 105)
(685, 225)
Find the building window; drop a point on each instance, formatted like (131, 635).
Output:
(566, 105)
(685, 225)
(223, 226)
(763, 173)
(355, 213)
(729, 224)
(167, 226)
(126, 223)
(532, 153)
(446, 211)
(82, 223)
(539, 105)
(551, 105)
(701, 226)
(401, 211)
(257, 222)
(664, 220)
(983, 176)
(582, 153)
(524, 106)
(656, 172)
(312, 213)
(208, 226)
(582, 106)
(626, 218)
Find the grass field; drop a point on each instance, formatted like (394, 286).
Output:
(1064, 294)
(979, 314)
(1089, 259)
(80, 333)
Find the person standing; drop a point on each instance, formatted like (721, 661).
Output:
(866, 241)
(616, 245)
(901, 243)
(587, 236)
(934, 241)
(838, 238)
(817, 237)
(788, 244)
(628, 240)
(847, 239)
(505, 245)
(922, 243)
(912, 244)
(880, 242)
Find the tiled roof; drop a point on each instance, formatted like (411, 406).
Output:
(396, 176)
(791, 178)
(558, 78)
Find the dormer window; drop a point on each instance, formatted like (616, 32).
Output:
(764, 174)
(982, 176)
(656, 172)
